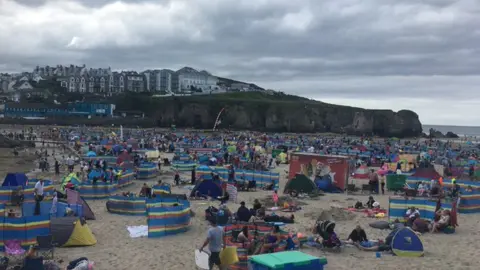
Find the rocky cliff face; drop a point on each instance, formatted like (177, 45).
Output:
(283, 116)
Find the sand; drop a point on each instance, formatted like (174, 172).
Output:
(116, 250)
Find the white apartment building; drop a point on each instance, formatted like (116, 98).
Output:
(189, 77)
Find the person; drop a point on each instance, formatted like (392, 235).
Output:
(256, 205)
(455, 190)
(420, 225)
(57, 167)
(443, 222)
(11, 213)
(38, 192)
(271, 240)
(53, 210)
(193, 178)
(70, 163)
(358, 235)
(373, 182)
(177, 178)
(243, 236)
(215, 244)
(145, 191)
(370, 202)
(275, 198)
(243, 214)
(385, 246)
(421, 189)
(411, 212)
(411, 215)
(382, 184)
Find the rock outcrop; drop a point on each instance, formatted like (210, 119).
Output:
(437, 134)
(281, 116)
(9, 143)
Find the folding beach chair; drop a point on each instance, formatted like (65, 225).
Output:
(14, 250)
(45, 246)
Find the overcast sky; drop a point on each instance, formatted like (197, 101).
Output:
(422, 55)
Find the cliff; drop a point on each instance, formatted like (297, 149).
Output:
(272, 112)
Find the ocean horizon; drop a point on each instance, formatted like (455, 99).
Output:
(459, 130)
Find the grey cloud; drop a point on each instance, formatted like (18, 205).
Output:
(329, 49)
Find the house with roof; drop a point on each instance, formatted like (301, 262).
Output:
(189, 78)
(22, 85)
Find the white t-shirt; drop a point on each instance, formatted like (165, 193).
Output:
(411, 213)
(39, 188)
(70, 161)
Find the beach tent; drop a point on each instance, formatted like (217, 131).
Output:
(15, 179)
(73, 197)
(91, 154)
(71, 177)
(361, 172)
(207, 188)
(405, 243)
(326, 184)
(71, 232)
(300, 184)
(426, 173)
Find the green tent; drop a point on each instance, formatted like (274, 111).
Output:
(300, 184)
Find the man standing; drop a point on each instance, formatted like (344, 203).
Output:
(57, 167)
(38, 196)
(215, 244)
(70, 163)
(373, 182)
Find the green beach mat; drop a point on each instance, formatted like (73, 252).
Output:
(280, 259)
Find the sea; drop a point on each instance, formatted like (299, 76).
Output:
(459, 130)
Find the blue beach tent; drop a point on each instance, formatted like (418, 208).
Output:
(15, 179)
(406, 243)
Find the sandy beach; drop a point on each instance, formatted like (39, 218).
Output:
(116, 250)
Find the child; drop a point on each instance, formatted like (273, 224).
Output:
(275, 198)
(382, 184)
(370, 202)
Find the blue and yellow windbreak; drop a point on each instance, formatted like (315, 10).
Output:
(262, 178)
(398, 208)
(168, 220)
(99, 190)
(147, 170)
(25, 229)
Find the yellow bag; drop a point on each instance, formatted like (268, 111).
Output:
(229, 256)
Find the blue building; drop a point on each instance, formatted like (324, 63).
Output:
(34, 110)
(91, 109)
(42, 110)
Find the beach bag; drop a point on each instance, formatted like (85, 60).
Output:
(449, 230)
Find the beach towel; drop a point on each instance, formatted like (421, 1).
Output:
(138, 231)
